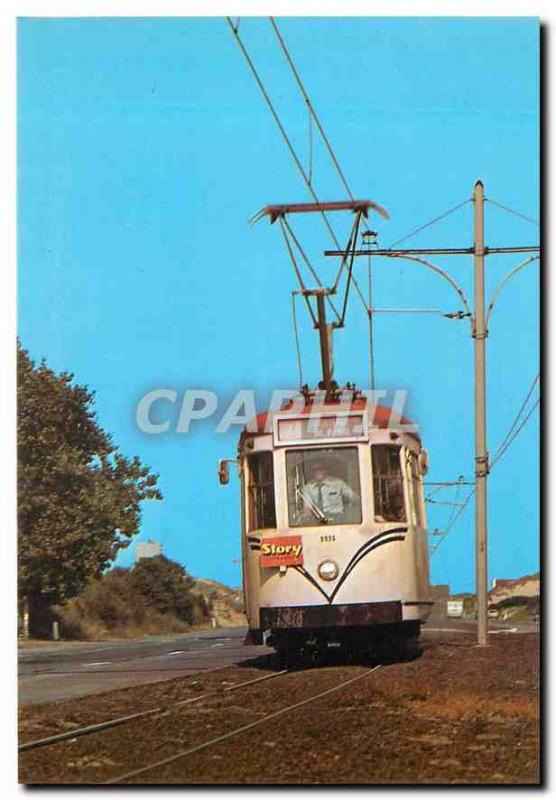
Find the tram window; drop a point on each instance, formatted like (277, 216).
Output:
(260, 486)
(323, 486)
(388, 483)
(415, 488)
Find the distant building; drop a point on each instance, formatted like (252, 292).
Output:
(439, 595)
(148, 549)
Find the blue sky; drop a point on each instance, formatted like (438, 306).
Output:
(144, 148)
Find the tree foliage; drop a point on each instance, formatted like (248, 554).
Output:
(165, 585)
(78, 496)
(155, 596)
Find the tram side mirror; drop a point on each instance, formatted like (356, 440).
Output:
(223, 471)
(423, 462)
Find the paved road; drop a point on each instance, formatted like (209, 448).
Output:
(438, 625)
(64, 671)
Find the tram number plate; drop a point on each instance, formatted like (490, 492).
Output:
(286, 551)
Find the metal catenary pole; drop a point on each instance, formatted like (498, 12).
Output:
(479, 333)
(481, 454)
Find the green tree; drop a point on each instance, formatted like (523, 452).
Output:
(166, 587)
(78, 496)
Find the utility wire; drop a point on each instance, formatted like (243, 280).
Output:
(443, 484)
(310, 148)
(455, 518)
(428, 224)
(516, 419)
(455, 504)
(498, 455)
(307, 180)
(281, 128)
(511, 211)
(343, 179)
(312, 111)
(509, 442)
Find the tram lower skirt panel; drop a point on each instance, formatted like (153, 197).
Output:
(354, 614)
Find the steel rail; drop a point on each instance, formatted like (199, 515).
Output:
(112, 723)
(217, 739)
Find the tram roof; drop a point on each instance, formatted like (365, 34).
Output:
(381, 417)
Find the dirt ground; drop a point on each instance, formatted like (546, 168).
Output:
(457, 714)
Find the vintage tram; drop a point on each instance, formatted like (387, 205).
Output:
(334, 542)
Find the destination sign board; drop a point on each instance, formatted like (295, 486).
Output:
(325, 427)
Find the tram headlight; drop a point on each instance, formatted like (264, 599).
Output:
(328, 570)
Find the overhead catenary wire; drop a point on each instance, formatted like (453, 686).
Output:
(455, 503)
(512, 211)
(306, 178)
(500, 452)
(281, 128)
(311, 108)
(516, 418)
(515, 434)
(455, 518)
(344, 181)
(310, 169)
(445, 483)
(430, 223)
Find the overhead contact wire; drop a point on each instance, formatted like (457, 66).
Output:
(282, 129)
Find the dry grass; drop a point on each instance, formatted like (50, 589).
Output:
(470, 705)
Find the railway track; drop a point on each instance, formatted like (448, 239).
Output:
(162, 710)
(478, 711)
(237, 731)
(116, 721)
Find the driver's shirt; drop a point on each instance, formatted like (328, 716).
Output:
(329, 495)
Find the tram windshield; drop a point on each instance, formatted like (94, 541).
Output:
(323, 486)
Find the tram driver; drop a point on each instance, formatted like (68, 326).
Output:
(326, 496)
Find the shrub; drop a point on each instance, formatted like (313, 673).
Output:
(155, 596)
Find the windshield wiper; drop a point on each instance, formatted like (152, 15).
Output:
(320, 515)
